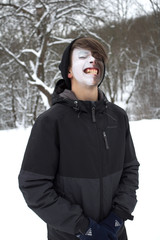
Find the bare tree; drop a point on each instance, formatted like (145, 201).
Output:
(44, 21)
(34, 33)
(156, 10)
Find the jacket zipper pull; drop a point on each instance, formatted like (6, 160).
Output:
(93, 114)
(105, 140)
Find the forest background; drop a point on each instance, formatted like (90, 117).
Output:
(33, 35)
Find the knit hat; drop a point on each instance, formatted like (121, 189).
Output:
(64, 65)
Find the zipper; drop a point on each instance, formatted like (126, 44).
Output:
(100, 168)
(93, 114)
(93, 109)
(105, 140)
(101, 178)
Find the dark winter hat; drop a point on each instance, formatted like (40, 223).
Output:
(63, 67)
(65, 62)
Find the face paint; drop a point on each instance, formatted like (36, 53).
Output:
(86, 69)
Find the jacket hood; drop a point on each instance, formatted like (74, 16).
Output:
(64, 65)
(67, 97)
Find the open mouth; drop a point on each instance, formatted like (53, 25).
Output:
(93, 71)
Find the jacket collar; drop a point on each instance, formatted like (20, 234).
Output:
(66, 96)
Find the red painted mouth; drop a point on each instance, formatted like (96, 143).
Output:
(93, 71)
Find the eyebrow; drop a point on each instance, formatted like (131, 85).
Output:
(83, 52)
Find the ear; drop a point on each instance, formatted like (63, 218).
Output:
(70, 75)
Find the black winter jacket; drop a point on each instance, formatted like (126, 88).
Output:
(80, 162)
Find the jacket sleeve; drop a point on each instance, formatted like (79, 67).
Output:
(125, 199)
(37, 180)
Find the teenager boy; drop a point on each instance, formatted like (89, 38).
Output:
(80, 173)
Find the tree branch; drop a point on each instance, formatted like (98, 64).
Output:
(18, 8)
(34, 79)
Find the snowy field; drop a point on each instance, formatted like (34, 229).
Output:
(20, 223)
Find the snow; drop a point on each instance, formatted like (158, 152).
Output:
(19, 222)
(37, 54)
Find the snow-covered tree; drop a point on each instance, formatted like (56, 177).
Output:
(32, 34)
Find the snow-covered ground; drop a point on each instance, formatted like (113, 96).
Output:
(19, 222)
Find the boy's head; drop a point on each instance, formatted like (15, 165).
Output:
(92, 45)
(75, 47)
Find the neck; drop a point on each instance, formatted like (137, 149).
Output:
(85, 93)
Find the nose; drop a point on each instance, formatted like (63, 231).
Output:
(92, 60)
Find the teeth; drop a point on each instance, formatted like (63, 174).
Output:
(91, 71)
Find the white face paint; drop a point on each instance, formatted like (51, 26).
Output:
(86, 69)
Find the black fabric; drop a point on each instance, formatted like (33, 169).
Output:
(63, 67)
(68, 174)
(122, 234)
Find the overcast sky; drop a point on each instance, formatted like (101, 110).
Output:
(146, 4)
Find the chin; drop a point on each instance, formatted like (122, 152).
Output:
(92, 84)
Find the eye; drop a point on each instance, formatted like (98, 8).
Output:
(82, 57)
(83, 54)
(98, 57)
